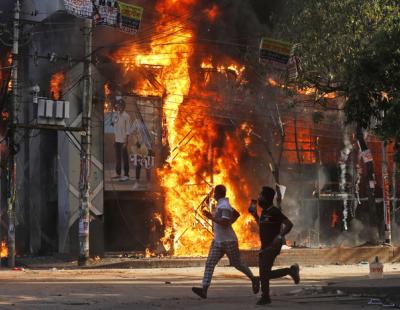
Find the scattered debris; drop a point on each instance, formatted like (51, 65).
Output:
(18, 269)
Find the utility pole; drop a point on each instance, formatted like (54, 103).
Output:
(386, 194)
(368, 160)
(11, 169)
(394, 199)
(85, 156)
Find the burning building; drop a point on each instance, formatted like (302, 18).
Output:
(202, 111)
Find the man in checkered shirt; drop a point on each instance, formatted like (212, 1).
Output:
(225, 242)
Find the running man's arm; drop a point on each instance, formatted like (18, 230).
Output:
(223, 221)
(287, 227)
(256, 217)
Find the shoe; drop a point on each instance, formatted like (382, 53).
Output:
(116, 177)
(255, 282)
(124, 178)
(264, 300)
(199, 291)
(295, 273)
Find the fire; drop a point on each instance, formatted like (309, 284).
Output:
(273, 83)
(334, 219)
(3, 249)
(198, 161)
(158, 217)
(56, 82)
(149, 253)
(305, 142)
(230, 66)
(305, 91)
(107, 93)
(212, 13)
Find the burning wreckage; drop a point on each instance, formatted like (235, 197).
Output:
(199, 114)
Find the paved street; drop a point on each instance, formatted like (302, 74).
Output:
(170, 289)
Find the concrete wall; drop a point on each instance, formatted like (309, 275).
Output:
(48, 161)
(328, 256)
(69, 169)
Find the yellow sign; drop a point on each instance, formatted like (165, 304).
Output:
(131, 11)
(276, 46)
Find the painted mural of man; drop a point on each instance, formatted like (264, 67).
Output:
(122, 127)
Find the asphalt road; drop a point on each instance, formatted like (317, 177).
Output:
(171, 289)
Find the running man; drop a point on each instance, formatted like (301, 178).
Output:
(224, 242)
(273, 225)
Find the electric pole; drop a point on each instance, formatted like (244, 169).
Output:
(11, 169)
(85, 156)
(386, 194)
(394, 199)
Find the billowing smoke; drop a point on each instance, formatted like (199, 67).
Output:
(344, 155)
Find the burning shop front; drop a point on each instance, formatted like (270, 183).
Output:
(132, 196)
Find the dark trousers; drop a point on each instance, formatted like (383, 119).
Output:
(121, 151)
(266, 261)
(138, 168)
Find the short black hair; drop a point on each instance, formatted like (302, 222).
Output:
(221, 190)
(268, 194)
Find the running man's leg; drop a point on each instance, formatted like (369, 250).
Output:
(266, 260)
(279, 273)
(232, 251)
(215, 254)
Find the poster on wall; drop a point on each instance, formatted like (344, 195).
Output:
(132, 144)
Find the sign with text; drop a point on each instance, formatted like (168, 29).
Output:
(130, 17)
(275, 52)
(79, 8)
(126, 17)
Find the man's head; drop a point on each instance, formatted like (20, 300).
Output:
(266, 197)
(121, 105)
(219, 192)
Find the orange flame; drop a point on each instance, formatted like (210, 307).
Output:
(56, 83)
(3, 249)
(107, 93)
(195, 164)
(306, 91)
(212, 13)
(335, 219)
(149, 253)
(305, 142)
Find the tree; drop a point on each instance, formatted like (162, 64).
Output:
(349, 47)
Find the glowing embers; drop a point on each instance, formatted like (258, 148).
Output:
(225, 67)
(56, 82)
(107, 101)
(300, 143)
(305, 91)
(212, 13)
(3, 249)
